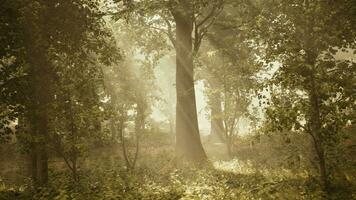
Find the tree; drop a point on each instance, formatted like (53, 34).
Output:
(304, 37)
(42, 33)
(231, 93)
(230, 67)
(130, 90)
(190, 21)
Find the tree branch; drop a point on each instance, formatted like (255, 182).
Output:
(200, 32)
(170, 31)
(212, 13)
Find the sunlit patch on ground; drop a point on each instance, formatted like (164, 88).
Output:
(234, 166)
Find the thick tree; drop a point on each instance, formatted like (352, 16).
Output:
(187, 129)
(185, 23)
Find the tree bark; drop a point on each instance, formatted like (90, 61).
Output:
(188, 143)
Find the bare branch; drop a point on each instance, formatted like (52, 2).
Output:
(170, 31)
(212, 14)
(200, 32)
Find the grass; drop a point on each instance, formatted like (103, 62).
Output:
(103, 176)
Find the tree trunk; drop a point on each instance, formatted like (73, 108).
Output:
(316, 132)
(39, 119)
(139, 127)
(171, 126)
(188, 143)
(37, 45)
(74, 152)
(113, 130)
(38, 149)
(39, 166)
(217, 125)
(122, 138)
(40, 127)
(75, 168)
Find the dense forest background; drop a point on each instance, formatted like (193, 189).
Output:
(177, 99)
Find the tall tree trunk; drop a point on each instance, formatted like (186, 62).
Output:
(188, 143)
(39, 132)
(37, 45)
(316, 132)
(39, 117)
(314, 104)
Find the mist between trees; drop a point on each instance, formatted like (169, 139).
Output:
(177, 99)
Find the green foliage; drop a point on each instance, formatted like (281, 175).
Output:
(310, 90)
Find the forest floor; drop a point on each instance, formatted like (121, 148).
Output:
(104, 177)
